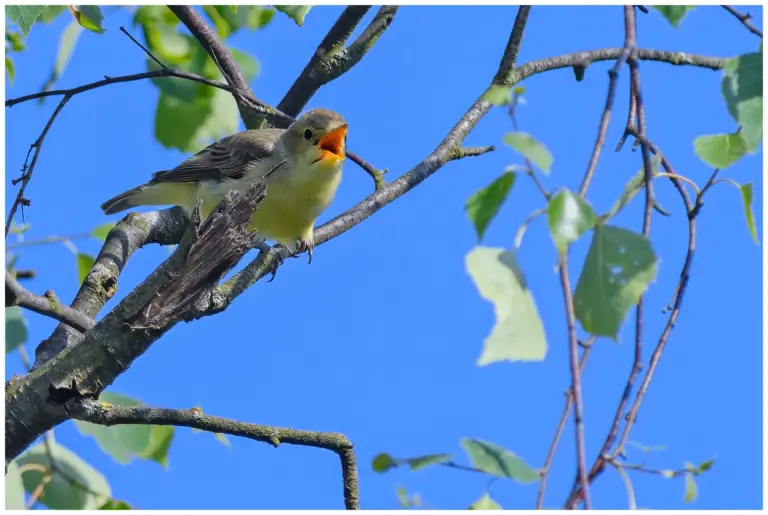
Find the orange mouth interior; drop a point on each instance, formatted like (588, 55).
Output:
(333, 142)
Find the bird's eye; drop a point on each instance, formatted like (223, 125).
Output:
(308, 134)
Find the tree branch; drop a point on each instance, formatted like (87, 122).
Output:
(744, 19)
(223, 59)
(331, 59)
(26, 172)
(89, 410)
(47, 305)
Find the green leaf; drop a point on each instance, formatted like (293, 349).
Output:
(674, 13)
(248, 65)
(633, 187)
(482, 207)
(498, 96)
(485, 503)
(90, 17)
(101, 232)
(14, 488)
(383, 462)
(720, 150)
(160, 439)
(531, 149)
(16, 332)
(743, 92)
(24, 16)
(125, 442)
(746, 197)
(168, 44)
(84, 264)
(15, 40)
(429, 459)
(74, 485)
(295, 12)
(9, 68)
(177, 122)
(619, 267)
(66, 47)
(497, 461)
(569, 217)
(706, 465)
(405, 501)
(691, 490)
(51, 12)
(223, 27)
(115, 505)
(518, 334)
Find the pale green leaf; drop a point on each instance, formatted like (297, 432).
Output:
(531, 149)
(90, 17)
(569, 217)
(14, 488)
(720, 150)
(497, 461)
(125, 442)
(16, 332)
(743, 92)
(619, 267)
(295, 12)
(383, 462)
(84, 264)
(66, 47)
(518, 334)
(706, 465)
(24, 16)
(668, 473)
(15, 39)
(485, 503)
(498, 96)
(482, 207)
(405, 501)
(426, 460)
(674, 13)
(691, 490)
(633, 187)
(60, 493)
(223, 28)
(101, 232)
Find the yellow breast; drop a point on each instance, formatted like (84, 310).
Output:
(294, 201)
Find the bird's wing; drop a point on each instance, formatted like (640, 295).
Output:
(228, 158)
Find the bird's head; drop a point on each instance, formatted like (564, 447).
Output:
(318, 136)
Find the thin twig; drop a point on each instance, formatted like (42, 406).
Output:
(744, 19)
(376, 175)
(146, 50)
(47, 305)
(46, 240)
(95, 412)
(544, 472)
(578, 413)
(27, 171)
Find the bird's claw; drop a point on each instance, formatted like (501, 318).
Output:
(275, 251)
(305, 246)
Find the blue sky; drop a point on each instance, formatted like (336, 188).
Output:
(378, 338)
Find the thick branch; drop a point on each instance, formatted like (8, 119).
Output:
(130, 234)
(332, 59)
(89, 410)
(47, 305)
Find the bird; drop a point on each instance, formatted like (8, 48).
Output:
(301, 166)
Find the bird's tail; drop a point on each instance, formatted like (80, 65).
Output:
(123, 201)
(152, 194)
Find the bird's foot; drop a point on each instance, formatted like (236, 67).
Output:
(306, 246)
(274, 251)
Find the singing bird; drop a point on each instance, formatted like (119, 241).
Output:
(301, 166)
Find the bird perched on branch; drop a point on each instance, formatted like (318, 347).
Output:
(301, 166)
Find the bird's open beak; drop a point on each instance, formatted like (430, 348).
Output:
(333, 143)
